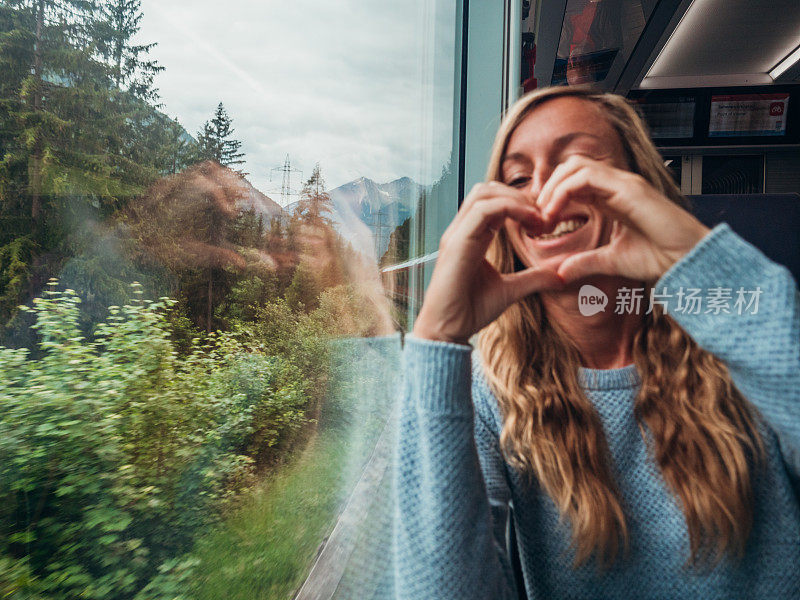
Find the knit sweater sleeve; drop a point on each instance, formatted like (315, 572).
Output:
(446, 540)
(759, 343)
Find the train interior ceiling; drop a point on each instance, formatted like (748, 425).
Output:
(718, 82)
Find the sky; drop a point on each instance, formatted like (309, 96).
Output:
(335, 82)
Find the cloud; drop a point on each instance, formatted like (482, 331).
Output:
(340, 83)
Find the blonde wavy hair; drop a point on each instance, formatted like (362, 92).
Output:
(703, 431)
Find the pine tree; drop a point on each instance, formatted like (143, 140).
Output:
(69, 135)
(70, 125)
(147, 143)
(17, 24)
(119, 22)
(216, 142)
(79, 134)
(61, 37)
(315, 206)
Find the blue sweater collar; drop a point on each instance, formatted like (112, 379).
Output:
(609, 379)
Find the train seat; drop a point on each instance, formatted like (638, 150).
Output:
(771, 222)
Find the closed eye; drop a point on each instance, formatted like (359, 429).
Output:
(519, 181)
(587, 154)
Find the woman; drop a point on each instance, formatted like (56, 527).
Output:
(647, 452)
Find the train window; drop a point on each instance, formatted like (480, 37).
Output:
(198, 356)
(593, 34)
(217, 225)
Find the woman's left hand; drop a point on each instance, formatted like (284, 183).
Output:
(651, 233)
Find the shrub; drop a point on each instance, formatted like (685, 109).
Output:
(116, 450)
(300, 339)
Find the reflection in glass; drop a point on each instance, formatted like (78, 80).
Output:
(593, 33)
(408, 264)
(197, 369)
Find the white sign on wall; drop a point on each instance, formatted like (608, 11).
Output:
(748, 115)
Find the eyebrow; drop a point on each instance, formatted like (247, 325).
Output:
(560, 143)
(515, 157)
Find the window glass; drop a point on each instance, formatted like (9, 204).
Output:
(593, 34)
(215, 221)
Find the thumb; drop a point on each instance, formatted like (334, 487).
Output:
(592, 262)
(533, 279)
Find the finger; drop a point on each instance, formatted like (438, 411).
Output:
(593, 262)
(587, 179)
(590, 186)
(561, 172)
(490, 215)
(481, 192)
(467, 221)
(534, 279)
(489, 190)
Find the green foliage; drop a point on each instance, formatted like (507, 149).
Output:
(16, 581)
(78, 122)
(290, 334)
(266, 547)
(303, 291)
(16, 260)
(273, 387)
(349, 312)
(124, 432)
(246, 297)
(115, 450)
(297, 337)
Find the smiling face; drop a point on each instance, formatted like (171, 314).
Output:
(548, 136)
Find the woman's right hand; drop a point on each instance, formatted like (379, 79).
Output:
(466, 293)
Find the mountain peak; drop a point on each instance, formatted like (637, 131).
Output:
(251, 198)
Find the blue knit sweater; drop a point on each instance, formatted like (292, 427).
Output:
(453, 487)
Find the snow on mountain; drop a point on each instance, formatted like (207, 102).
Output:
(378, 208)
(366, 213)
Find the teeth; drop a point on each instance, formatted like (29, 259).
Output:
(562, 228)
